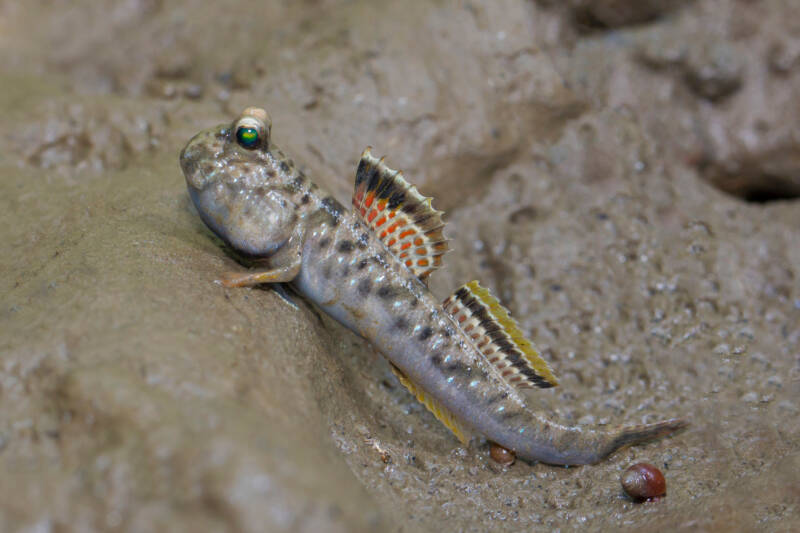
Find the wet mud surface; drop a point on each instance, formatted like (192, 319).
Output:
(623, 175)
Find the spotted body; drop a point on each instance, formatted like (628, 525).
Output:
(465, 359)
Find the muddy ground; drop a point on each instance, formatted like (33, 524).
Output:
(625, 175)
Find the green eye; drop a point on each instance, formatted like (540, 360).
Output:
(247, 137)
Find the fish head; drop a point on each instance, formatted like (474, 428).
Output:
(237, 181)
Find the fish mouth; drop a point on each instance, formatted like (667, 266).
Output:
(198, 156)
(189, 165)
(192, 155)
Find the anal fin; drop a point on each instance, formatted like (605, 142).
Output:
(440, 412)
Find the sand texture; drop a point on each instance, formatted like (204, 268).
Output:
(624, 175)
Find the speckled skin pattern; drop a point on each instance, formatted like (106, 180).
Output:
(259, 203)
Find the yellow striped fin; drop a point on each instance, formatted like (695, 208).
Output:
(442, 414)
(498, 337)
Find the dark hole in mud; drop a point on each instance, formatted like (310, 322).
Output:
(758, 188)
(763, 192)
(603, 16)
(762, 195)
(587, 22)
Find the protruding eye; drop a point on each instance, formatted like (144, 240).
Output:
(252, 129)
(247, 137)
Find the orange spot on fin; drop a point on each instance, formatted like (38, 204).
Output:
(397, 200)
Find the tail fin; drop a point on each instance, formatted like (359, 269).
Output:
(630, 435)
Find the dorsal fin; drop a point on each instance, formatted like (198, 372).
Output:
(440, 412)
(399, 215)
(498, 337)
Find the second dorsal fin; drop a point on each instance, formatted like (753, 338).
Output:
(497, 336)
(399, 215)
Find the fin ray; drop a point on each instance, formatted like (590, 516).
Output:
(403, 219)
(440, 412)
(498, 337)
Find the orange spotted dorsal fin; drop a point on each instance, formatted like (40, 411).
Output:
(399, 215)
(441, 413)
(498, 337)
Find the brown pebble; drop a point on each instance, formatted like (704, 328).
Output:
(502, 455)
(643, 481)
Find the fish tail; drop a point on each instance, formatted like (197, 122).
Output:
(629, 435)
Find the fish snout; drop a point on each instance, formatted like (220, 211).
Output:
(198, 157)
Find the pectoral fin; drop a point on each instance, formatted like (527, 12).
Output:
(282, 274)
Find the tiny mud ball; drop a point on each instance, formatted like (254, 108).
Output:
(502, 455)
(643, 481)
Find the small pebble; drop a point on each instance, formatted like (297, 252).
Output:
(502, 455)
(643, 481)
